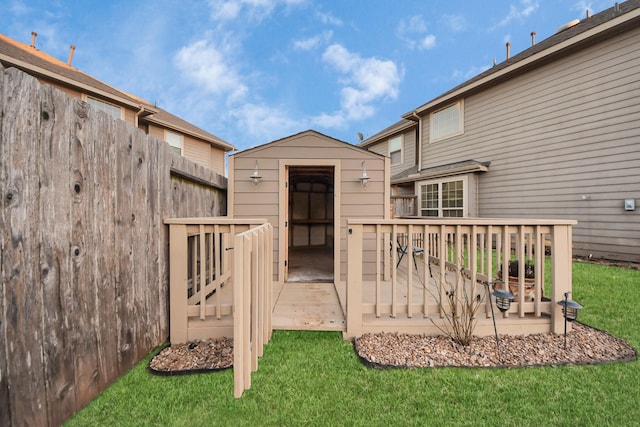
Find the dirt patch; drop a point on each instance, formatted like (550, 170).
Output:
(585, 345)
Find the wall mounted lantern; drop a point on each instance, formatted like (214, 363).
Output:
(569, 311)
(255, 176)
(364, 178)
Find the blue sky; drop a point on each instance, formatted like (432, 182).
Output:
(252, 71)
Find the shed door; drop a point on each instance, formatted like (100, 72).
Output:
(311, 224)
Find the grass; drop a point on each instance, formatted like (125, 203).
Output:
(315, 378)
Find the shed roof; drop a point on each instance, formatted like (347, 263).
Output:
(40, 64)
(310, 132)
(607, 23)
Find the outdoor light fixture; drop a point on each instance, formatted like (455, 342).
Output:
(503, 302)
(255, 176)
(364, 178)
(503, 299)
(569, 311)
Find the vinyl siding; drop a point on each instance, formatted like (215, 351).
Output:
(564, 142)
(408, 151)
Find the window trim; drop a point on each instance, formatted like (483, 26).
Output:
(460, 131)
(401, 138)
(172, 145)
(440, 181)
(86, 99)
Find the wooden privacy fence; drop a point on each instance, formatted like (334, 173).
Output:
(221, 285)
(401, 272)
(84, 253)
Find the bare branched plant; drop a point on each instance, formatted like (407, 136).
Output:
(461, 306)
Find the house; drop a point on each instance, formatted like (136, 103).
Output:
(552, 132)
(186, 139)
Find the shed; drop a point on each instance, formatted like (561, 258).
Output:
(307, 185)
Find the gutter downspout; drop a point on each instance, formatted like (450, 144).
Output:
(137, 119)
(414, 114)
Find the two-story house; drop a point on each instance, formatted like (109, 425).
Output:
(552, 132)
(185, 138)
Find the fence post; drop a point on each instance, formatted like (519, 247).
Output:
(354, 280)
(178, 283)
(561, 275)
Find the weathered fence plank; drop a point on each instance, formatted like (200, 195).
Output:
(84, 263)
(54, 227)
(20, 261)
(5, 412)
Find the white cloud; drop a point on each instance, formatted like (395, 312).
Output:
(429, 42)
(210, 67)
(229, 10)
(264, 123)
(327, 18)
(412, 32)
(459, 75)
(366, 80)
(312, 42)
(523, 10)
(456, 23)
(329, 121)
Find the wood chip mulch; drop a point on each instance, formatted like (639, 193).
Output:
(585, 345)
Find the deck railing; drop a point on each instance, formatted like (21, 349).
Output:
(400, 272)
(201, 266)
(221, 285)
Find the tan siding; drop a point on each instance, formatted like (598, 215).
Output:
(408, 151)
(216, 160)
(197, 150)
(263, 200)
(563, 142)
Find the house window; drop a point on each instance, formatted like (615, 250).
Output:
(175, 141)
(112, 110)
(395, 150)
(444, 198)
(447, 122)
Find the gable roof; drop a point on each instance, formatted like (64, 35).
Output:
(309, 132)
(395, 128)
(42, 65)
(617, 19)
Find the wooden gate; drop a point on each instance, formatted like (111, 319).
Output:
(252, 301)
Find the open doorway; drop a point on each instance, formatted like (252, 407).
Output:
(311, 223)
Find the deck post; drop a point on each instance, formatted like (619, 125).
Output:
(354, 280)
(560, 274)
(178, 319)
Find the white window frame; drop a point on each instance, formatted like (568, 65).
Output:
(443, 114)
(439, 183)
(105, 106)
(175, 141)
(399, 137)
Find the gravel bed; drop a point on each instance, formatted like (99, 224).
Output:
(197, 356)
(585, 345)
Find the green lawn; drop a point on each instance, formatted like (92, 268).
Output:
(315, 378)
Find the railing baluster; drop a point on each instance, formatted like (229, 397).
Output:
(394, 267)
(379, 237)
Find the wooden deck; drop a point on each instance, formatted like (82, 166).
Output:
(307, 306)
